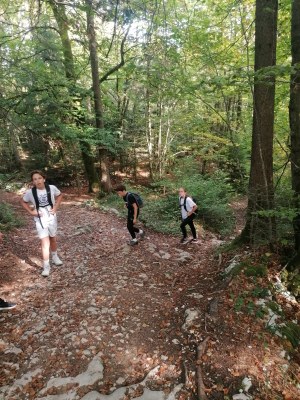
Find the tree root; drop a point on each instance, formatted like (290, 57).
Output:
(200, 384)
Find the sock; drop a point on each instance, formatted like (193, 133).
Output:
(53, 254)
(141, 231)
(134, 239)
(46, 263)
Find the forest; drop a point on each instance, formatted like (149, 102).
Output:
(162, 94)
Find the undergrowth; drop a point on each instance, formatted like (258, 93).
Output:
(8, 218)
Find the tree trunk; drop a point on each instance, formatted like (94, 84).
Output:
(259, 228)
(88, 161)
(294, 114)
(149, 134)
(105, 180)
(85, 148)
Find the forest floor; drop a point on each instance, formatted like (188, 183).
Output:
(119, 322)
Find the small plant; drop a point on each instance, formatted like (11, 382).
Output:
(292, 332)
(239, 303)
(260, 292)
(8, 219)
(258, 270)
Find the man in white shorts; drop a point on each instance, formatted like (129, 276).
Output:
(46, 200)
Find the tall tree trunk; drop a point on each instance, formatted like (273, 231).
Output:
(85, 148)
(149, 133)
(261, 195)
(294, 113)
(106, 185)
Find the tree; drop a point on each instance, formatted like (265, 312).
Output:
(294, 114)
(105, 180)
(85, 147)
(260, 228)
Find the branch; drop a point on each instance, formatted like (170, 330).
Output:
(121, 63)
(115, 28)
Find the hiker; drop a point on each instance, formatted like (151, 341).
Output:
(188, 208)
(5, 305)
(131, 203)
(46, 200)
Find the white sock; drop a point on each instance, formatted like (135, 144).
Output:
(46, 263)
(134, 240)
(53, 253)
(141, 231)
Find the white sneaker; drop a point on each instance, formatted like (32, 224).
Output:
(56, 260)
(46, 270)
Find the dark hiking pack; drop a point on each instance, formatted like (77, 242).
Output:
(184, 203)
(36, 200)
(138, 199)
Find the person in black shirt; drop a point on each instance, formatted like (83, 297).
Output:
(133, 213)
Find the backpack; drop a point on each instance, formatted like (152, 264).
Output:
(184, 203)
(36, 200)
(138, 199)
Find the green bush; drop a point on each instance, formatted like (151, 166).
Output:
(161, 209)
(8, 219)
(213, 194)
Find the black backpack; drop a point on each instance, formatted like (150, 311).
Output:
(184, 203)
(36, 200)
(138, 199)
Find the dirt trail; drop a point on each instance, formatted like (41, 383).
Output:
(123, 306)
(118, 323)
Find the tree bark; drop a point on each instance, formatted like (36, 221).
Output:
(294, 115)
(85, 148)
(260, 229)
(105, 180)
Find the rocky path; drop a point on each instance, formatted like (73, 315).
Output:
(108, 324)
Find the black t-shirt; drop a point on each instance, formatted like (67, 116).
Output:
(129, 200)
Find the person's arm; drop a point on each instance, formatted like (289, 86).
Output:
(27, 207)
(194, 208)
(135, 212)
(58, 200)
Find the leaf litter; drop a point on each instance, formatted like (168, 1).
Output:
(108, 324)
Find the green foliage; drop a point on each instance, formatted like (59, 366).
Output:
(291, 331)
(8, 218)
(212, 192)
(160, 214)
(244, 302)
(258, 270)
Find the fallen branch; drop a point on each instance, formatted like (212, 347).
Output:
(200, 384)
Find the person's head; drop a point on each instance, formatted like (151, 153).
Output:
(120, 190)
(38, 179)
(182, 192)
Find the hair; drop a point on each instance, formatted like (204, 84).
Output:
(120, 188)
(183, 188)
(37, 171)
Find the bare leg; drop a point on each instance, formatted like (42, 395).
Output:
(53, 244)
(45, 248)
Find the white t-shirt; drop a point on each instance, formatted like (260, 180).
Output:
(189, 206)
(42, 198)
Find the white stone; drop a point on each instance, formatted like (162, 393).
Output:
(241, 396)
(190, 316)
(246, 383)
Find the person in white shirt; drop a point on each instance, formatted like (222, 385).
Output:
(188, 208)
(45, 200)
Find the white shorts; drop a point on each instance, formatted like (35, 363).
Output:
(49, 227)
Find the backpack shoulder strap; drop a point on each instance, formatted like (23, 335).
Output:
(36, 200)
(48, 190)
(184, 203)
